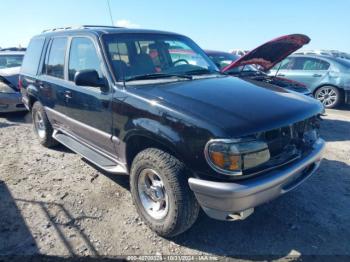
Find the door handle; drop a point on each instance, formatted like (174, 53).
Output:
(280, 75)
(68, 94)
(316, 75)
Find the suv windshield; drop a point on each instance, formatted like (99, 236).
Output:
(147, 56)
(7, 61)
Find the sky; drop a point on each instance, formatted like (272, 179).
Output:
(213, 24)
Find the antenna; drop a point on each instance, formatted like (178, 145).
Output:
(110, 11)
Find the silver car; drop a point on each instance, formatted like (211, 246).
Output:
(328, 78)
(10, 97)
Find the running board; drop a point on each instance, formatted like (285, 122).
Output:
(100, 160)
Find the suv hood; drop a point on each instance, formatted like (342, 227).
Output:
(272, 52)
(235, 107)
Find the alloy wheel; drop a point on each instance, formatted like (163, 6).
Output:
(327, 96)
(152, 193)
(39, 124)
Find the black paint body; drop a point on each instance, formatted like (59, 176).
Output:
(181, 116)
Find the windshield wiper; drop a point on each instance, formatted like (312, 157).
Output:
(245, 72)
(202, 71)
(156, 76)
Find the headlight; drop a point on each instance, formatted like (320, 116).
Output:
(4, 88)
(231, 157)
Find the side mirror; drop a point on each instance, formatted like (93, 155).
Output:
(90, 78)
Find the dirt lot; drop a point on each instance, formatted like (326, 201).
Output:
(54, 203)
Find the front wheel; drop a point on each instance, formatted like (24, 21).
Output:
(161, 194)
(329, 96)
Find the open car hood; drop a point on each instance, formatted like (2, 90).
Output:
(272, 52)
(10, 74)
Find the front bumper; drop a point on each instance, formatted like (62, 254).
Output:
(11, 102)
(221, 200)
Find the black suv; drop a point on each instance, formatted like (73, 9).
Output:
(188, 135)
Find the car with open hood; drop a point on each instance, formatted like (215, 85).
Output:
(327, 77)
(10, 96)
(254, 65)
(189, 136)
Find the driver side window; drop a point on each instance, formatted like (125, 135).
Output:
(286, 64)
(82, 56)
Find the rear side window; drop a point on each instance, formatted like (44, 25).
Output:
(83, 56)
(32, 57)
(305, 63)
(55, 63)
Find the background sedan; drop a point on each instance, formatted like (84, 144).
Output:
(328, 78)
(10, 97)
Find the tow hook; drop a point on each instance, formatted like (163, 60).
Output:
(240, 215)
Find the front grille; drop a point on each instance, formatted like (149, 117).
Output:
(288, 143)
(290, 138)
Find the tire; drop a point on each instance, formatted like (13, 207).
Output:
(42, 126)
(180, 205)
(329, 96)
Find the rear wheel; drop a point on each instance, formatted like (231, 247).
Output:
(161, 194)
(42, 126)
(329, 96)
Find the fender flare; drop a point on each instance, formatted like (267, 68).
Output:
(155, 131)
(33, 94)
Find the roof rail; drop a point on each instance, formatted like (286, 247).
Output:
(101, 26)
(78, 27)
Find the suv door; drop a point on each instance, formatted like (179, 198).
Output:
(88, 108)
(51, 81)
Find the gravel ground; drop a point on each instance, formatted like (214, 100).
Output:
(56, 204)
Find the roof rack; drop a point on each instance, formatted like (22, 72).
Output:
(100, 26)
(78, 27)
(57, 29)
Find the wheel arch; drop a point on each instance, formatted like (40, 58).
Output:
(322, 85)
(32, 94)
(137, 142)
(31, 100)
